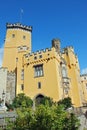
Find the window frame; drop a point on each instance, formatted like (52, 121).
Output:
(38, 70)
(39, 85)
(64, 71)
(22, 87)
(22, 74)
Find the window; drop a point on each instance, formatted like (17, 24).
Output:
(35, 58)
(22, 87)
(38, 70)
(13, 35)
(39, 85)
(64, 72)
(24, 48)
(22, 74)
(40, 56)
(66, 91)
(24, 37)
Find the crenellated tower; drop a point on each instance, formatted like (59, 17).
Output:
(17, 36)
(73, 71)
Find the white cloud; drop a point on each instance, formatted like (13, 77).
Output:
(1, 56)
(84, 71)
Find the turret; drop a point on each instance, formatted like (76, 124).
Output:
(56, 45)
(16, 35)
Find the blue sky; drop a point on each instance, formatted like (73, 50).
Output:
(63, 19)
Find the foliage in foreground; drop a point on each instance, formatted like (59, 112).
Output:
(46, 116)
(20, 101)
(66, 102)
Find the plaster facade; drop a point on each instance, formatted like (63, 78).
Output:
(84, 87)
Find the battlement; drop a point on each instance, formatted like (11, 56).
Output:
(38, 52)
(82, 75)
(3, 69)
(68, 48)
(18, 26)
(11, 73)
(41, 56)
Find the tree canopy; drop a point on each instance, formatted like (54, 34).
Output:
(20, 101)
(46, 116)
(66, 102)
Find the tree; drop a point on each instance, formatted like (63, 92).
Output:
(20, 101)
(47, 101)
(66, 102)
(23, 120)
(45, 117)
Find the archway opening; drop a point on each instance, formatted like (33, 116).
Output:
(38, 99)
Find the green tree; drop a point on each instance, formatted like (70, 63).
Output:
(44, 117)
(71, 122)
(10, 125)
(47, 101)
(22, 101)
(24, 120)
(66, 102)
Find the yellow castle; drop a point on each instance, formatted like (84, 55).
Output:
(49, 72)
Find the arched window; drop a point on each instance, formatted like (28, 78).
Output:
(64, 72)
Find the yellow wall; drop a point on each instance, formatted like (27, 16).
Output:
(84, 87)
(49, 81)
(12, 44)
(74, 75)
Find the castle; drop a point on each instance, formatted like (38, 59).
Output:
(50, 72)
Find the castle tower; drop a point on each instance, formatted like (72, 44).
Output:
(42, 76)
(73, 71)
(56, 45)
(84, 88)
(17, 37)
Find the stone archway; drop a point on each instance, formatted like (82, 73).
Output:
(37, 100)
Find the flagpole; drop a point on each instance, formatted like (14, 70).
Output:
(21, 14)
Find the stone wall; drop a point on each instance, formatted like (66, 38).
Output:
(10, 87)
(3, 81)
